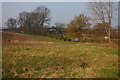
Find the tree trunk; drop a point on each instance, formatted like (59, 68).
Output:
(109, 34)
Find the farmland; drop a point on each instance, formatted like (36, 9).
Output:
(31, 56)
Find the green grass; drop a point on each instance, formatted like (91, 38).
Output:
(59, 60)
(109, 73)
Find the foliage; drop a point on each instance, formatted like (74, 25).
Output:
(77, 26)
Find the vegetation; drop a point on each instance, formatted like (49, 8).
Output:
(12, 24)
(34, 49)
(77, 26)
(51, 58)
(103, 11)
(31, 22)
(37, 22)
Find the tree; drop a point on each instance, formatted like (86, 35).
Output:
(78, 25)
(24, 21)
(33, 22)
(60, 28)
(43, 15)
(104, 13)
(12, 24)
(39, 17)
(98, 30)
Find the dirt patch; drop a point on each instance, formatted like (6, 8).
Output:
(13, 38)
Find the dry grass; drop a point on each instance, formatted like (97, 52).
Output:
(59, 59)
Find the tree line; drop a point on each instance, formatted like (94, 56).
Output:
(31, 22)
(37, 22)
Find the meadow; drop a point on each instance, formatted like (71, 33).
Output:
(43, 57)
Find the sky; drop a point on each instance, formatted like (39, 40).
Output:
(62, 12)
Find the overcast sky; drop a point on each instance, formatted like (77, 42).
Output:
(62, 12)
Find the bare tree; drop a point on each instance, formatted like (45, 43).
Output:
(104, 13)
(43, 15)
(24, 21)
(33, 22)
(60, 27)
(12, 24)
(98, 30)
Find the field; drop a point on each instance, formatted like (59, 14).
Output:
(31, 56)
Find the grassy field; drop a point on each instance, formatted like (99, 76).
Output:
(44, 57)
